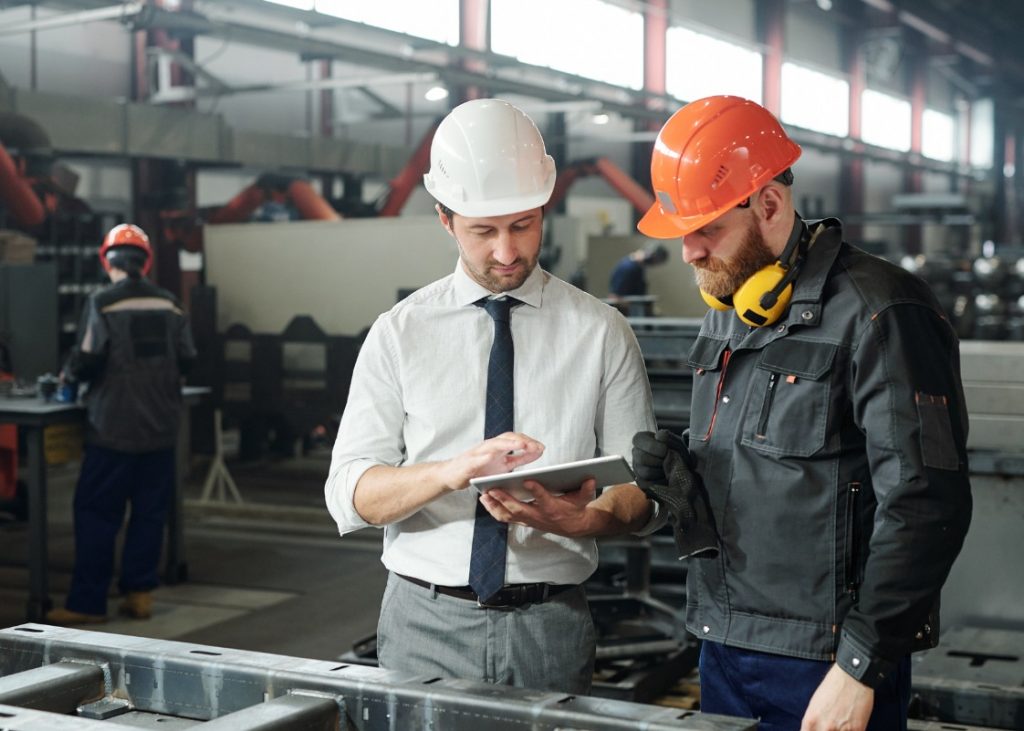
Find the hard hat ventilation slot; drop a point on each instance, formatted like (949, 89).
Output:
(720, 175)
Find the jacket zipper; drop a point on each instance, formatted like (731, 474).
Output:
(853, 537)
(766, 408)
(718, 392)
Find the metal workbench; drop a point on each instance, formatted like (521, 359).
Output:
(34, 415)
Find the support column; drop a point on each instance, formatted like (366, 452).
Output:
(475, 34)
(771, 32)
(913, 177)
(162, 185)
(656, 22)
(851, 166)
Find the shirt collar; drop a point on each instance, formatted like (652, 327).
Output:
(468, 291)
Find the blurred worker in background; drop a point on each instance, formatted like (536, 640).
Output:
(828, 427)
(134, 344)
(628, 278)
(489, 588)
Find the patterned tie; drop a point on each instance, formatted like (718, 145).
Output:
(490, 537)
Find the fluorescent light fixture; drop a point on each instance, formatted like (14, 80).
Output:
(600, 118)
(436, 94)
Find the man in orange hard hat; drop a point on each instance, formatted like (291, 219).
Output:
(134, 342)
(825, 453)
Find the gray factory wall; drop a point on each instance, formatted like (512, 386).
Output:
(672, 282)
(343, 274)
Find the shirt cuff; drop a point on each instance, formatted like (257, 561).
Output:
(860, 664)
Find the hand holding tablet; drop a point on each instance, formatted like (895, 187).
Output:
(560, 478)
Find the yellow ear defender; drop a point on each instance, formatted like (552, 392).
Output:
(762, 299)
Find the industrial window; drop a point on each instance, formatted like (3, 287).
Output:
(437, 20)
(814, 100)
(698, 65)
(983, 135)
(885, 120)
(938, 136)
(613, 51)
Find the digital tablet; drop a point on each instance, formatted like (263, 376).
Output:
(559, 478)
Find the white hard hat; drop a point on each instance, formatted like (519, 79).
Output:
(488, 159)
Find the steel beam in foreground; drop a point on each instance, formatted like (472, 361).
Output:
(249, 690)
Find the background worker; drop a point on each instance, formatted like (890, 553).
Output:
(829, 429)
(134, 343)
(628, 277)
(497, 365)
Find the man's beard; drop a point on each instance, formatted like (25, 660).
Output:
(722, 277)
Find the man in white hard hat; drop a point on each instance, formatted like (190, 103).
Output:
(497, 365)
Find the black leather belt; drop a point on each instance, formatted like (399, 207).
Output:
(511, 595)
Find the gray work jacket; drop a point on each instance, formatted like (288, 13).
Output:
(832, 444)
(134, 343)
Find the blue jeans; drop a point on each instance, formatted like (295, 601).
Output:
(776, 689)
(107, 482)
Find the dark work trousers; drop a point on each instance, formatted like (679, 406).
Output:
(108, 482)
(776, 689)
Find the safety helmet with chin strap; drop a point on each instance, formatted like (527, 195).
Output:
(488, 158)
(126, 235)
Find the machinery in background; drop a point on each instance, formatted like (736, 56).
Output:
(984, 297)
(39, 205)
(272, 197)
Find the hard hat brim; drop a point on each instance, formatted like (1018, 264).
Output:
(660, 225)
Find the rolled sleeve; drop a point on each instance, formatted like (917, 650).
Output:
(340, 492)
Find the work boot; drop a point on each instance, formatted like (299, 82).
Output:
(137, 604)
(65, 617)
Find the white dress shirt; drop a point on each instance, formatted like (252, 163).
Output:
(418, 395)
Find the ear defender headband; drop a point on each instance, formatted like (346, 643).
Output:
(762, 299)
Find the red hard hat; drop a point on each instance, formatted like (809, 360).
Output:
(126, 234)
(711, 155)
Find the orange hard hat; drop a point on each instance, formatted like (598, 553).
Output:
(710, 156)
(126, 234)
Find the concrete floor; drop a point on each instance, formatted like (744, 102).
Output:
(270, 576)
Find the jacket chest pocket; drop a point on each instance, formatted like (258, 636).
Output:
(709, 359)
(789, 398)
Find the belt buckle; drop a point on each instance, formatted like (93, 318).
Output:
(510, 596)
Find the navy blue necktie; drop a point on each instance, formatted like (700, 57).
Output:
(490, 537)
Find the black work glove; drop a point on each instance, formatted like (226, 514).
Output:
(666, 473)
